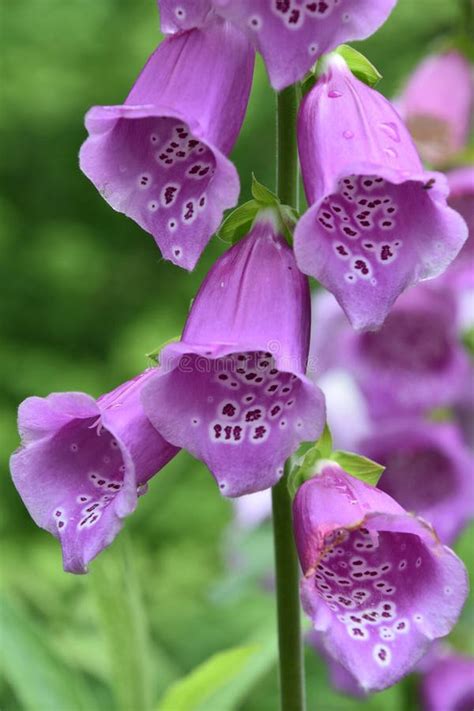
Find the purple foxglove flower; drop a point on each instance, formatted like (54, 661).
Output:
(436, 105)
(449, 684)
(292, 34)
(415, 362)
(83, 463)
(178, 15)
(233, 391)
(377, 222)
(161, 157)
(428, 470)
(377, 581)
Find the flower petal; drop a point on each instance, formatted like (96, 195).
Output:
(291, 35)
(178, 15)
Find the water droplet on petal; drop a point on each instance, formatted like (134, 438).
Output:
(391, 129)
(391, 152)
(334, 94)
(348, 134)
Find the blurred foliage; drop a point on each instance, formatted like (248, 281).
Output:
(85, 295)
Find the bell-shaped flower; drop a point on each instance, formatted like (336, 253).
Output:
(449, 684)
(436, 105)
(83, 463)
(377, 582)
(160, 158)
(292, 34)
(377, 222)
(428, 470)
(233, 391)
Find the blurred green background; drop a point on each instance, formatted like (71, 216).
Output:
(84, 296)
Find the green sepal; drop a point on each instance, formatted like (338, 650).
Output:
(154, 354)
(324, 443)
(359, 65)
(238, 223)
(358, 466)
(304, 470)
(262, 194)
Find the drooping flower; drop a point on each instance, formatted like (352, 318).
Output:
(428, 470)
(83, 463)
(416, 362)
(233, 391)
(161, 157)
(449, 684)
(377, 581)
(436, 105)
(377, 223)
(179, 15)
(292, 34)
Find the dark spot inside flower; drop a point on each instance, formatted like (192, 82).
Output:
(229, 409)
(202, 201)
(217, 431)
(181, 154)
(189, 210)
(382, 654)
(101, 482)
(92, 507)
(385, 252)
(253, 415)
(259, 432)
(228, 431)
(368, 183)
(365, 223)
(192, 143)
(57, 513)
(173, 144)
(294, 17)
(204, 171)
(361, 266)
(223, 376)
(60, 524)
(275, 410)
(350, 232)
(272, 388)
(250, 376)
(237, 432)
(387, 223)
(357, 632)
(342, 250)
(390, 210)
(194, 169)
(336, 208)
(283, 6)
(285, 390)
(429, 184)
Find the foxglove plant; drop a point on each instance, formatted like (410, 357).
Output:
(83, 463)
(233, 390)
(428, 470)
(377, 581)
(436, 105)
(161, 157)
(378, 222)
(289, 34)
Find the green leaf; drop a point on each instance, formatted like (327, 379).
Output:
(360, 467)
(122, 618)
(262, 194)
(222, 681)
(38, 677)
(359, 65)
(238, 223)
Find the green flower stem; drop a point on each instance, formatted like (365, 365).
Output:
(291, 663)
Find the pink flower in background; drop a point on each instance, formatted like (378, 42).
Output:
(428, 470)
(449, 684)
(83, 463)
(233, 391)
(378, 584)
(160, 158)
(436, 105)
